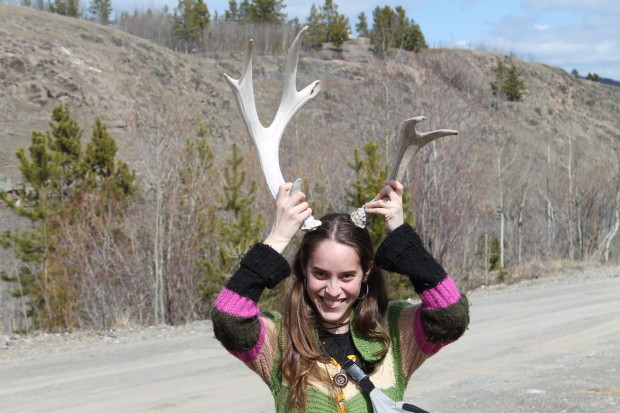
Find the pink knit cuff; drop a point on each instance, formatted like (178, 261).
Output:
(441, 296)
(232, 303)
(253, 353)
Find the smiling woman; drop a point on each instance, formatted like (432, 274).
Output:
(334, 280)
(336, 321)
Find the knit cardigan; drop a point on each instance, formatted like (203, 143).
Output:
(417, 331)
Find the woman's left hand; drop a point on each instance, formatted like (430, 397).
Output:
(389, 203)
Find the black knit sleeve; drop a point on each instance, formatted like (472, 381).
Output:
(261, 267)
(403, 252)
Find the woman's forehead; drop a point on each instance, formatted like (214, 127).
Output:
(334, 255)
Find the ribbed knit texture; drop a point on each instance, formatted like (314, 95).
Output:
(235, 316)
(445, 311)
(403, 252)
(266, 267)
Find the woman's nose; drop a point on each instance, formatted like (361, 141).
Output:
(333, 287)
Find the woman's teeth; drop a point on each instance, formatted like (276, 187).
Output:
(332, 303)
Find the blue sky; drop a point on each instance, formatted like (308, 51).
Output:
(572, 34)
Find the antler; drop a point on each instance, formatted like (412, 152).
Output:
(411, 141)
(267, 140)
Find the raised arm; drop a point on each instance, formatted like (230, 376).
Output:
(237, 321)
(444, 314)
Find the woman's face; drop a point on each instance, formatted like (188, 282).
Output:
(334, 279)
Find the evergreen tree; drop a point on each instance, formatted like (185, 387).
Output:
(514, 86)
(508, 82)
(265, 11)
(101, 165)
(574, 72)
(337, 24)
(191, 18)
(233, 13)
(317, 32)
(54, 174)
(236, 230)
(69, 8)
(362, 25)
(100, 11)
(244, 11)
(325, 25)
(393, 29)
(593, 77)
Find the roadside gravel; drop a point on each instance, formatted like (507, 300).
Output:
(545, 345)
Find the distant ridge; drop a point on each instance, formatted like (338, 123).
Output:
(610, 82)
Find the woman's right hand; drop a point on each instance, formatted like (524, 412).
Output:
(291, 211)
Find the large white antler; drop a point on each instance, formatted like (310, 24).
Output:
(267, 140)
(411, 141)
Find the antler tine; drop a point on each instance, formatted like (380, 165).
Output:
(267, 139)
(411, 141)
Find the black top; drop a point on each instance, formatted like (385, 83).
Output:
(345, 342)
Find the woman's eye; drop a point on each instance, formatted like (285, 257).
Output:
(348, 276)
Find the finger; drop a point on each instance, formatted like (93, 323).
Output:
(283, 189)
(299, 208)
(384, 193)
(296, 198)
(395, 185)
(379, 203)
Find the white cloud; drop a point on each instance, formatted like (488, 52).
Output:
(587, 44)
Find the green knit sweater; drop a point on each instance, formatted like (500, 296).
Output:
(417, 331)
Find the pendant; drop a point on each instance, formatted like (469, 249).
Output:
(341, 379)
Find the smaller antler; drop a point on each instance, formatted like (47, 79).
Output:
(411, 141)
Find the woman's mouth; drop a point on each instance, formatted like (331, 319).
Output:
(331, 304)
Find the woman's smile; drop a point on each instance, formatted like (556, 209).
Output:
(334, 279)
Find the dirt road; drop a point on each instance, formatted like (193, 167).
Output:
(548, 347)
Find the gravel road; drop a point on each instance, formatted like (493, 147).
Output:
(551, 345)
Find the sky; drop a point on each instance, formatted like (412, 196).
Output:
(571, 34)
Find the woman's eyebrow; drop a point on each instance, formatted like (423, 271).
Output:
(317, 268)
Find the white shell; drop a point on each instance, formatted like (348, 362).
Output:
(359, 217)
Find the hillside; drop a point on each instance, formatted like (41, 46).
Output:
(551, 159)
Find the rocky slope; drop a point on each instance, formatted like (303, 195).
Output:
(46, 59)
(140, 89)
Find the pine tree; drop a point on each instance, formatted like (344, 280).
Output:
(393, 29)
(514, 86)
(317, 32)
(508, 82)
(54, 174)
(237, 229)
(191, 18)
(325, 25)
(101, 166)
(265, 11)
(362, 25)
(232, 14)
(69, 8)
(100, 11)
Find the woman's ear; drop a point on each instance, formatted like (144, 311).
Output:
(367, 273)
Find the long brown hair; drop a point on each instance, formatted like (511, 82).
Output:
(302, 350)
